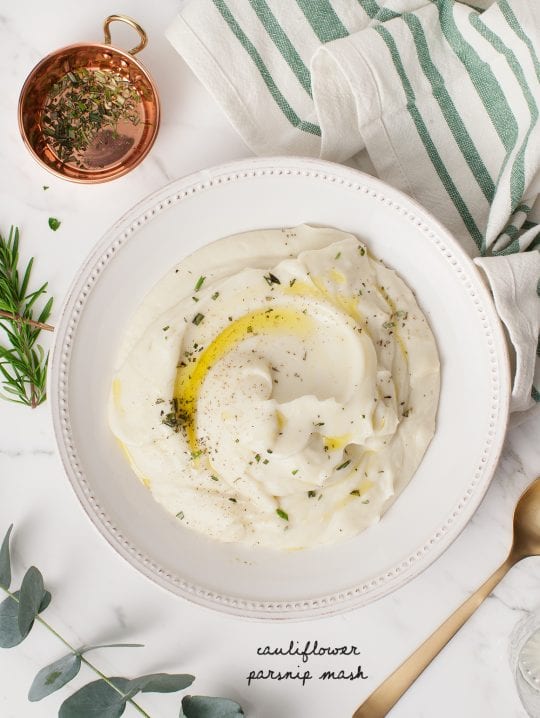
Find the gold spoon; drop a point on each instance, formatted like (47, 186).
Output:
(526, 543)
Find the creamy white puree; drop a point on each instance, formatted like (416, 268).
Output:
(278, 387)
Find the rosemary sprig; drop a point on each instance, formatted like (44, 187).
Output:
(23, 362)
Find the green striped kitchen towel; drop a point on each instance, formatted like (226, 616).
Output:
(439, 98)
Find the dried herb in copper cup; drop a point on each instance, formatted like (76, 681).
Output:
(90, 112)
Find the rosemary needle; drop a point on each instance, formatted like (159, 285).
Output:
(23, 362)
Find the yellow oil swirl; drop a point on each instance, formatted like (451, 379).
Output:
(189, 379)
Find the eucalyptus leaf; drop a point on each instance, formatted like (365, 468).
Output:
(207, 707)
(45, 602)
(53, 677)
(96, 700)
(10, 635)
(86, 649)
(31, 596)
(160, 683)
(5, 561)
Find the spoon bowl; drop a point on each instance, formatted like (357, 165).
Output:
(527, 523)
(526, 542)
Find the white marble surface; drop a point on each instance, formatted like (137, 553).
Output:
(97, 597)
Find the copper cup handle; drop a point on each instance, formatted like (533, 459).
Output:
(129, 21)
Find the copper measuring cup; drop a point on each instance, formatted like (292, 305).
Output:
(114, 152)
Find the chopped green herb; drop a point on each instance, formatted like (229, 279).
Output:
(54, 223)
(45, 187)
(214, 478)
(199, 283)
(85, 106)
(160, 401)
(195, 299)
(196, 454)
(215, 295)
(165, 328)
(265, 461)
(271, 279)
(407, 412)
(294, 472)
(293, 280)
(389, 325)
(282, 514)
(312, 494)
(362, 251)
(170, 420)
(355, 493)
(250, 329)
(257, 457)
(320, 423)
(232, 500)
(343, 465)
(180, 515)
(197, 319)
(338, 255)
(366, 501)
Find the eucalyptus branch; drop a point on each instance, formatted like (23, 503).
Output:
(23, 362)
(22, 608)
(83, 659)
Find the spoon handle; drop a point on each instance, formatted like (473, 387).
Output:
(383, 698)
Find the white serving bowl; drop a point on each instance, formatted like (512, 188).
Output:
(471, 423)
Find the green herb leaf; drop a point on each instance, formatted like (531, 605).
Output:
(343, 465)
(45, 187)
(5, 561)
(23, 364)
(54, 223)
(208, 707)
(10, 634)
(197, 319)
(53, 677)
(271, 279)
(86, 649)
(160, 683)
(215, 295)
(97, 700)
(31, 595)
(45, 602)
(199, 284)
(311, 494)
(282, 514)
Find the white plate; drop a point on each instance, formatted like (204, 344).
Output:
(449, 483)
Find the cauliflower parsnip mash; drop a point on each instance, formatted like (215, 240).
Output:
(278, 388)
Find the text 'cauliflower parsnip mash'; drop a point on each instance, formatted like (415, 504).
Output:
(277, 388)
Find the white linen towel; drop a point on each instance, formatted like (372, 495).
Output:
(438, 98)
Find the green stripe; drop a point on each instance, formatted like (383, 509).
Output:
(248, 46)
(376, 12)
(516, 246)
(512, 20)
(523, 208)
(529, 225)
(535, 394)
(427, 141)
(282, 42)
(481, 76)
(517, 176)
(323, 19)
(511, 231)
(453, 119)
